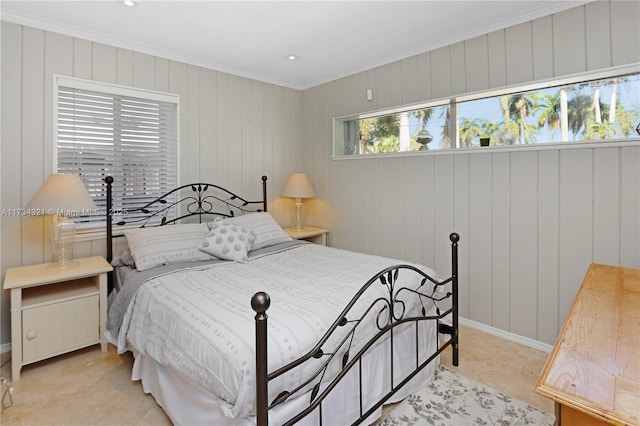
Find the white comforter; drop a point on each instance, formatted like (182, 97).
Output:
(199, 321)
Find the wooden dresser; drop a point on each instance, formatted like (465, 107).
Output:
(593, 372)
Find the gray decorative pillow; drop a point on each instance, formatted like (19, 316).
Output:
(263, 225)
(228, 241)
(164, 245)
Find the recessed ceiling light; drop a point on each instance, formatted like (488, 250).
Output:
(293, 57)
(129, 3)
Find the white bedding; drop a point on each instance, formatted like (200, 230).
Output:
(199, 321)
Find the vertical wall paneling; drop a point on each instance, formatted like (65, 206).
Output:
(428, 211)
(423, 82)
(440, 73)
(480, 236)
(124, 67)
(398, 207)
(598, 35)
(497, 59)
(576, 222)
(356, 192)
(443, 200)
(519, 51)
(82, 52)
(386, 206)
(523, 243)
(458, 69)
(192, 153)
(409, 80)
(542, 43)
(461, 225)
(104, 62)
(339, 200)
(373, 200)
(383, 87)
(630, 207)
(207, 126)
(161, 74)
(501, 236)
(548, 251)
(569, 44)
(476, 64)
(11, 197)
(606, 207)
(395, 93)
(143, 71)
(178, 84)
(33, 232)
(625, 32)
(412, 182)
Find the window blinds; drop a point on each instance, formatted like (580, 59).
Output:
(106, 132)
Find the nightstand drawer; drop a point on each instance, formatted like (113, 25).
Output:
(56, 328)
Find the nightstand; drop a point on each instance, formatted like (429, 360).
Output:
(309, 233)
(56, 310)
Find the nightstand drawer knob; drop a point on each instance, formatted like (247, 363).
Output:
(31, 334)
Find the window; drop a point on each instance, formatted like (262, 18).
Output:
(108, 130)
(571, 111)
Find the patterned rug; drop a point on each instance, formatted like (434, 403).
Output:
(451, 399)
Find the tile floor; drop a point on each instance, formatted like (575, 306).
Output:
(88, 387)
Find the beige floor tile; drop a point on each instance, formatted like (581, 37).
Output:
(88, 387)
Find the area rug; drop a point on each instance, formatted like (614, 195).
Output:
(450, 399)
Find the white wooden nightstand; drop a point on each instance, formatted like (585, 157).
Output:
(309, 233)
(56, 310)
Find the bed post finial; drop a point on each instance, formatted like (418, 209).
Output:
(264, 193)
(260, 303)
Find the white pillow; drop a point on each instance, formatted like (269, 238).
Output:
(164, 245)
(228, 241)
(264, 226)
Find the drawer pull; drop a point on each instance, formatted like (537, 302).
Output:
(31, 334)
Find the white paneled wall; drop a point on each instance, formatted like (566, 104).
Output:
(530, 220)
(232, 129)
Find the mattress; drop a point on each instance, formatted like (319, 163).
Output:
(196, 322)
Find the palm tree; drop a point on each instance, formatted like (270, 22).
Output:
(470, 129)
(550, 107)
(579, 113)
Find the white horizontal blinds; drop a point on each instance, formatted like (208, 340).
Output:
(111, 132)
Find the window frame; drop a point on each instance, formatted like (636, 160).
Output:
(452, 102)
(98, 228)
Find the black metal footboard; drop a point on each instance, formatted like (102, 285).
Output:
(389, 312)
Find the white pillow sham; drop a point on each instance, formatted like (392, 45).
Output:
(266, 229)
(228, 241)
(164, 245)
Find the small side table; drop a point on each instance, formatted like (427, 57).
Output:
(56, 310)
(309, 233)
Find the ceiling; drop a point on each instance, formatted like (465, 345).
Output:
(253, 39)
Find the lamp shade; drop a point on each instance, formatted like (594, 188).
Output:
(298, 186)
(60, 195)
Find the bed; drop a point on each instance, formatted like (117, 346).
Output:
(231, 322)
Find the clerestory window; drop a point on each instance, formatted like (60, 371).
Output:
(580, 109)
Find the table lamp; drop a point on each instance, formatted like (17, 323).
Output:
(61, 195)
(298, 187)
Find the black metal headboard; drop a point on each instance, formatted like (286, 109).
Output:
(191, 201)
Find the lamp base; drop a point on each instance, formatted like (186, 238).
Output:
(63, 233)
(299, 213)
(68, 264)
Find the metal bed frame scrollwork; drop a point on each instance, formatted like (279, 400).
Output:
(198, 200)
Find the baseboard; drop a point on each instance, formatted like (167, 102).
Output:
(5, 348)
(525, 341)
